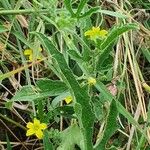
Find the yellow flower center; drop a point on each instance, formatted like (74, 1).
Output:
(91, 81)
(36, 127)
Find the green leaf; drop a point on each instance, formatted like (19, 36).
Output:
(47, 143)
(80, 94)
(143, 140)
(86, 52)
(111, 126)
(112, 36)
(80, 7)
(51, 86)
(9, 105)
(26, 93)
(40, 110)
(6, 4)
(106, 12)
(78, 111)
(22, 38)
(69, 7)
(116, 32)
(104, 56)
(44, 88)
(66, 111)
(70, 137)
(8, 143)
(112, 13)
(102, 88)
(89, 12)
(146, 53)
(74, 55)
(3, 29)
(98, 109)
(59, 98)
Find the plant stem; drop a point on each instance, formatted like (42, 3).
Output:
(10, 120)
(22, 11)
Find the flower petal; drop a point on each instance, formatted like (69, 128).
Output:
(29, 125)
(39, 134)
(27, 52)
(31, 57)
(36, 122)
(96, 33)
(95, 29)
(30, 132)
(88, 33)
(103, 33)
(43, 126)
(68, 99)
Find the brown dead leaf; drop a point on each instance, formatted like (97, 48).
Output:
(22, 20)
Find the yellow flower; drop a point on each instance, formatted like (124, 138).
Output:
(36, 128)
(91, 81)
(68, 99)
(95, 33)
(29, 54)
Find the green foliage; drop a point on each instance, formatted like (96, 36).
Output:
(70, 137)
(98, 108)
(3, 29)
(69, 7)
(80, 7)
(146, 53)
(69, 59)
(112, 13)
(89, 12)
(116, 32)
(47, 144)
(44, 88)
(8, 143)
(86, 120)
(106, 45)
(111, 126)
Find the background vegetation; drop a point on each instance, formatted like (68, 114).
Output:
(112, 111)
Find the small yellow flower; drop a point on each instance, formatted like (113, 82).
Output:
(95, 33)
(29, 54)
(68, 99)
(36, 128)
(91, 81)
